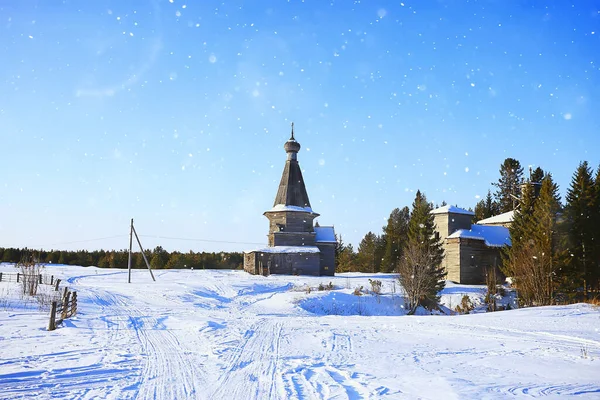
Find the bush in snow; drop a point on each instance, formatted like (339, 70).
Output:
(325, 287)
(465, 306)
(31, 272)
(375, 286)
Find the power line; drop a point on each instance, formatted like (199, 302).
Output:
(199, 240)
(148, 236)
(81, 241)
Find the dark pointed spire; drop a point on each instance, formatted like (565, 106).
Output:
(292, 191)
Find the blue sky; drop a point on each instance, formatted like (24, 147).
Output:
(175, 113)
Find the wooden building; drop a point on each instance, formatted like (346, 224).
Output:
(504, 220)
(470, 250)
(296, 245)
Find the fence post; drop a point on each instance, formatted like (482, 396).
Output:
(56, 285)
(0, 276)
(74, 304)
(40, 278)
(65, 307)
(52, 279)
(52, 323)
(18, 277)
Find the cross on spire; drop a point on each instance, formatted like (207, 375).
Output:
(292, 138)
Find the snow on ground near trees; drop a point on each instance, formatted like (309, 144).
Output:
(229, 335)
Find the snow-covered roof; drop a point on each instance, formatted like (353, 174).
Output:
(287, 249)
(494, 236)
(283, 207)
(325, 234)
(451, 209)
(498, 219)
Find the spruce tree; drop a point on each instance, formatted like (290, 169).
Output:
(545, 238)
(485, 208)
(596, 232)
(368, 255)
(509, 185)
(533, 256)
(420, 271)
(537, 175)
(520, 231)
(346, 261)
(581, 212)
(160, 257)
(395, 237)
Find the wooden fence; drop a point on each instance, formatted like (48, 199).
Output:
(19, 277)
(66, 308)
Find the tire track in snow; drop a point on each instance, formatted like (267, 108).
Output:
(252, 369)
(170, 369)
(332, 377)
(102, 374)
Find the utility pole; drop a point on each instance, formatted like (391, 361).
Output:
(129, 259)
(141, 249)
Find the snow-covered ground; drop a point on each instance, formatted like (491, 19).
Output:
(230, 335)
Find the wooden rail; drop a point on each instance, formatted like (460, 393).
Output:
(62, 310)
(18, 277)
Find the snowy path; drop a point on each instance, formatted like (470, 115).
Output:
(227, 335)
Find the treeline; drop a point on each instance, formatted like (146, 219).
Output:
(158, 258)
(383, 252)
(555, 253)
(408, 246)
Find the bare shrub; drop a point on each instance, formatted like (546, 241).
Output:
(584, 351)
(358, 291)
(322, 287)
(416, 274)
(532, 274)
(375, 286)
(4, 299)
(492, 288)
(30, 273)
(465, 306)
(44, 299)
(595, 301)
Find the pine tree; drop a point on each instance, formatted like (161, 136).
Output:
(581, 213)
(545, 237)
(346, 261)
(339, 248)
(345, 258)
(537, 175)
(368, 257)
(395, 233)
(509, 185)
(520, 231)
(486, 208)
(596, 232)
(420, 271)
(533, 257)
(160, 258)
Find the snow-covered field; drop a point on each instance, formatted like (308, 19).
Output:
(230, 335)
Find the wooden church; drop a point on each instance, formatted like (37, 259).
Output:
(296, 245)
